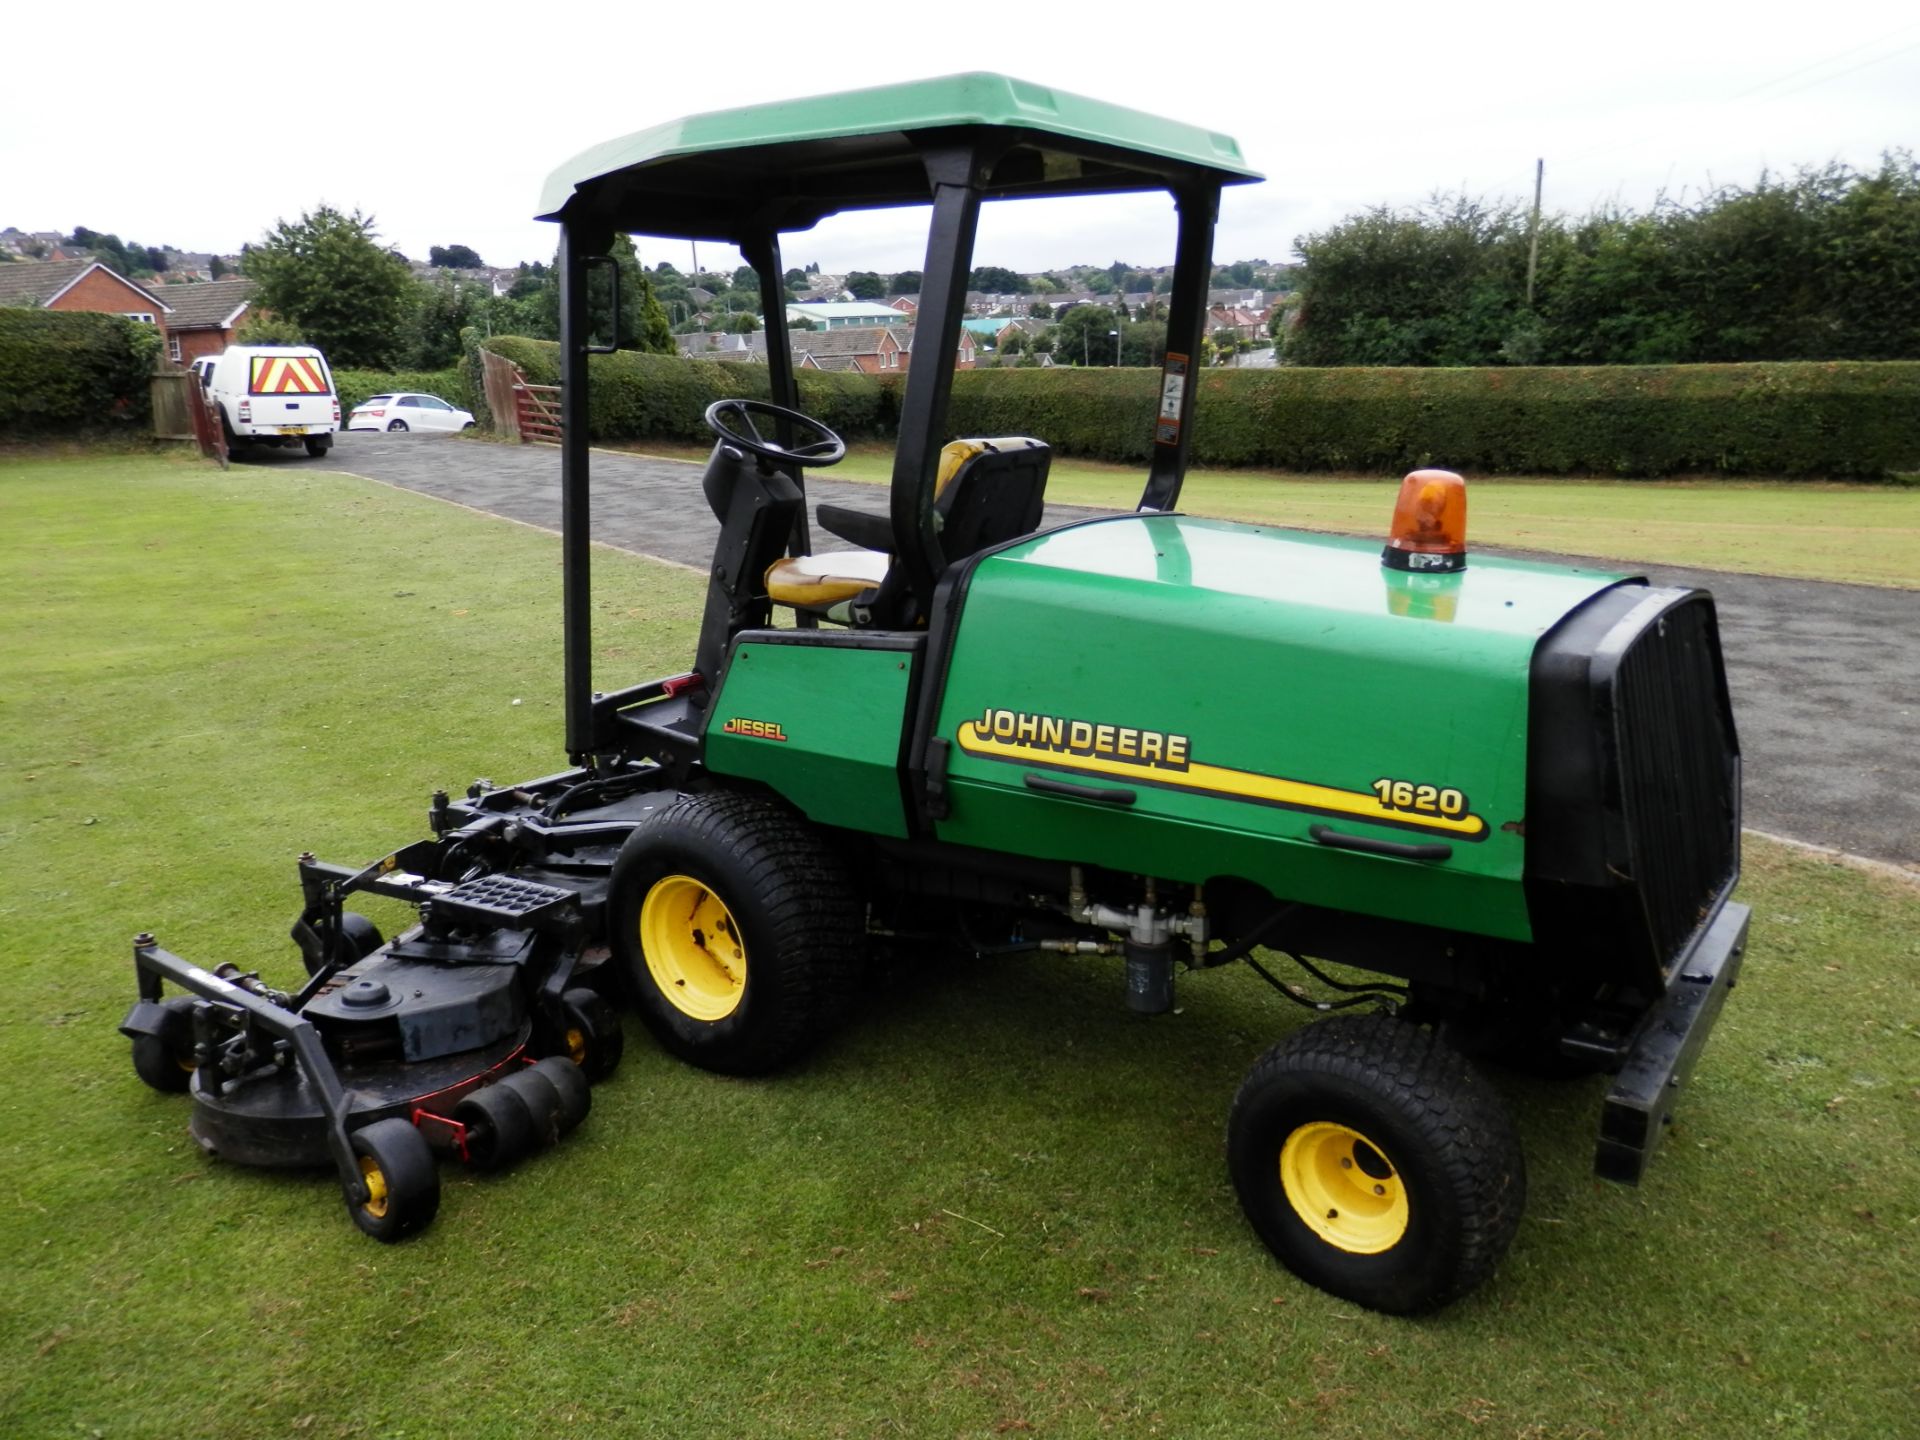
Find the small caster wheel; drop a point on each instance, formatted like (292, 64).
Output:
(500, 1127)
(569, 1082)
(402, 1182)
(594, 1040)
(166, 1062)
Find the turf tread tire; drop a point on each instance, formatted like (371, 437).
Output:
(1445, 1128)
(794, 901)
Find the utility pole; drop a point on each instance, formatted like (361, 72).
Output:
(1533, 237)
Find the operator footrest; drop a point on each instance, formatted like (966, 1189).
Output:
(503, 900)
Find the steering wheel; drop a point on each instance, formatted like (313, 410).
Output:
(829, 449)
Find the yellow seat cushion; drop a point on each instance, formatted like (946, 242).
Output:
(813, 582)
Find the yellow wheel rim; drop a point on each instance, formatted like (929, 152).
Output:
(376, 1202)
(693, 948)
(577, 1046)
(1343, 1188)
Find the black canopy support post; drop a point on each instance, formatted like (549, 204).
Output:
(956, 175)
(1199, 207)
(762, 251)
(763, 254)
(575, 521)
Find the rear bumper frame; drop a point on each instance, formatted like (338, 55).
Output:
(1638, 1110)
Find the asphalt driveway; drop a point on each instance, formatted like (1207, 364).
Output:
(1825, 678)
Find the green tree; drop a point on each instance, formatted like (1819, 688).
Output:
(643, 324)
(216, 267)
(996, 280)
(440, 309)
(746, 278)
(795, 278)
(454, 257)
(1143, 342)
(906, 282)
(259, 329)
(327, 274)
(1084, 335)
(866, 285)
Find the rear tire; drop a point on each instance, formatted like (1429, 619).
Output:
(319, 447)
(1376, 1164)
(738, 929)
(396, 425)
(396, 1165)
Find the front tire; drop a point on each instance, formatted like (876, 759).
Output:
(738, 930)
(402, 1182)
(1377, 1164)
(396, 425)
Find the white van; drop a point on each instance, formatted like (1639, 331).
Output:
(275, 395)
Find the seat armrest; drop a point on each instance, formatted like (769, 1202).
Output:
(869, 532)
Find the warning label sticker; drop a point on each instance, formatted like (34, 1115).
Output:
(1173, 391)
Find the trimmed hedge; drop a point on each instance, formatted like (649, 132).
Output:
(1857, 419)
(66, 372)
(638, 396)
(354, 386)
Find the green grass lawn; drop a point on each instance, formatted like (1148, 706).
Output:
(1865, 534)
(996, 1204)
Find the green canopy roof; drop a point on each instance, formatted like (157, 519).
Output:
(790, 163)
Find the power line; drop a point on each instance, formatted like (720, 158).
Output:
(1839, 74)
(1817, 64)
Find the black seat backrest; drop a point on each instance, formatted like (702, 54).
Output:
(997, 494)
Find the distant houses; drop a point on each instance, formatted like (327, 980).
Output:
(871, 349)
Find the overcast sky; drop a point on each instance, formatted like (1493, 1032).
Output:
(213, 122)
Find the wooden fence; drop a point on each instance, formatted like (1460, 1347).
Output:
(521, 410)
(182, 410)
(176, 394)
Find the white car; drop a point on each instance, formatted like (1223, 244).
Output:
(401, 411)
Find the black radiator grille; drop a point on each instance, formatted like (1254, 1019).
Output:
(1678, 774)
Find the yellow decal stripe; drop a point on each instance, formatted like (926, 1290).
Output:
(1232, 784)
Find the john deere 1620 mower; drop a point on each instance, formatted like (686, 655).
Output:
(1502, 798)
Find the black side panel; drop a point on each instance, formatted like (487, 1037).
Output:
(1633, 783)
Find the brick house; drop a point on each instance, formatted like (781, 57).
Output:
(201, 319)
(1247, 324)
(874, 350)
(963, 358)
(80, 285)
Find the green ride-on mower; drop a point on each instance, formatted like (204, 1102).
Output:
(1501, 798)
